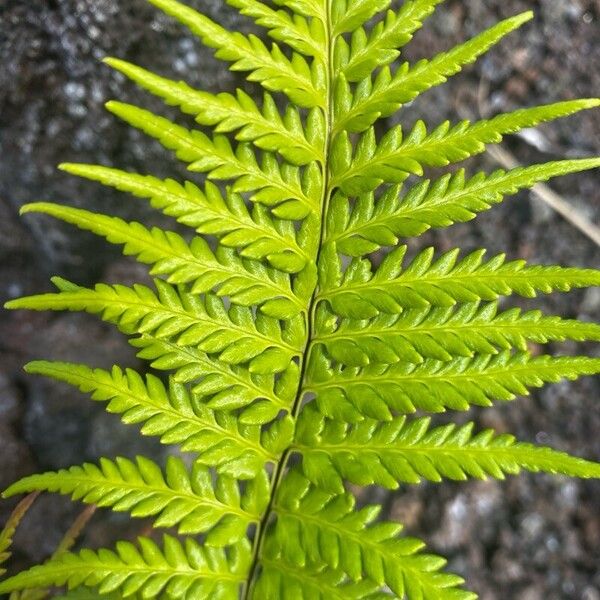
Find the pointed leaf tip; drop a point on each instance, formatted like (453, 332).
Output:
(587, 103)
(118, 64)
(12, 305)
(115, 107)
(33, 207)
(34, 367)
(524, 16)
(111, 61)
(73, 168)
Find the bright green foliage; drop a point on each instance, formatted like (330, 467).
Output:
(435, 385)
(443, 281)
(176, 497)
(203, 323)
(388, 92)
(81, 593)
(176, 569)
(368, 225)
(369, 163)
(227, 113)
(235, 446)
(293, 356)
(254, 235)
(9, 529)
(406, 451)
(315, 526)
(246, 282)
(444, 333)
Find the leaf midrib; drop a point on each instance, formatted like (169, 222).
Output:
(167, 408)
(542, 457)
(438, 279)
(129, 233)
(126, 487)
(508, 371)
(502, 326)
(279, 471)
(269, 233)
(79, 297)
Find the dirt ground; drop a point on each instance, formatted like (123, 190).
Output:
(530, 538)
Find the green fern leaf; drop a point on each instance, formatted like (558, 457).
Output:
(232, 335)
(274, 185)
(349, 15)
(86, 594)
(348, 540)
(395, 157)
(445, 281)
(408, 451)
(271, 68)
(210, 213)
(218, 385)
(280, 579)
(451, 199)
(434, 386)
(285, 349)
(309, 8)
(388, 93)
(445, 333)
(297, 32)
(228, 113)
(177, 497)
(220, 440)
(246, 283)
(381, 46)
(182, 570)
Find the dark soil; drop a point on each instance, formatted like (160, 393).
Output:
(530, 538)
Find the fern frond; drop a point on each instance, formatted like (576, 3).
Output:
(256, 235)
(306, 37)
(176, 497)
(10, 527)
(349, 15)
(444, 281)
(372, 224)
(245, 282)
(179, 570)
(395, 157)
(285, 348)
(381, 46)
(218, 385)
(408, 451)
(445, 333)
(274, 184)
(234, 447)
(271, 68)
(202, 323)
(388, 92)
(282, 579)
(315, 526)
(228, 113)
(434, 386)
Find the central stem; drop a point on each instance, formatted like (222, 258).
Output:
(280, 468)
